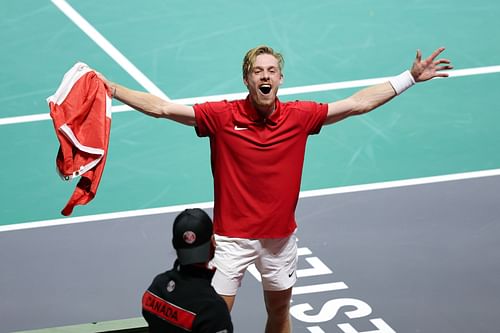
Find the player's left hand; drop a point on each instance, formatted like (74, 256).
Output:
(423, 70)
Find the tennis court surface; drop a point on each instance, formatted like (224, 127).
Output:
(399, 215)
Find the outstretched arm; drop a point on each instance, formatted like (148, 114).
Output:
(372, 97)
(151, 105)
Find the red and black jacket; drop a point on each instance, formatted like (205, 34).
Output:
(183, 300)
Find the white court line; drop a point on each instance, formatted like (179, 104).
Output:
(282, 92)
(205, 205)
(107, 47)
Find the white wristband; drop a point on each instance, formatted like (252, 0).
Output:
(402, 82)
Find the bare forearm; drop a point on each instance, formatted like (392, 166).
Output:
(154, 106)
(141, 101)
(372, 97)
(361, 102)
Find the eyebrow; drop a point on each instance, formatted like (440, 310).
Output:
(268, 67)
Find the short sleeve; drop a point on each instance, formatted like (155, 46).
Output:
(210, 117)
(313, 115)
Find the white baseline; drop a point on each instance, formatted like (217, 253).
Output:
(282, 92)
(205, 205)
(107, 47)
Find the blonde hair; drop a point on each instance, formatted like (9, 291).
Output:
(249, 59)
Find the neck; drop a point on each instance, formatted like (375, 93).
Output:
(264, 110)
(201, 265)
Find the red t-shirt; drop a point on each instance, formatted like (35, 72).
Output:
(257, 163)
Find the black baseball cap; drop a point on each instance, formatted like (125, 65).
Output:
(192, 234)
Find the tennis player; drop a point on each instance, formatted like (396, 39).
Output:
(257, 148)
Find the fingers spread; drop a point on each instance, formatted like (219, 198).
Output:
(445, 68)
(436, 53)
(419, 56)
(442, 61)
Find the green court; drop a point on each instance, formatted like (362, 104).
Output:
(195, 49)
(190, 52)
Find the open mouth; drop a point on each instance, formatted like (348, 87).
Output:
(265, 89)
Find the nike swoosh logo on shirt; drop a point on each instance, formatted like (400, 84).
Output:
(237, 128)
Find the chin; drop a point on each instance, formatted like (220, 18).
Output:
(267, 100)
(266, 104)
(263, 102)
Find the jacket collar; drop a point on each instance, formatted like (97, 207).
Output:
(194, 270)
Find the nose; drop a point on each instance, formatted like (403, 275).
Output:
(264, 76)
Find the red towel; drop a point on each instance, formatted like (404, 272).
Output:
(81, 113)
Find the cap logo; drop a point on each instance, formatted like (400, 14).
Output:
(171, 286)
(189, 237)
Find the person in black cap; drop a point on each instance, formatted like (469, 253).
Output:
(182, 299)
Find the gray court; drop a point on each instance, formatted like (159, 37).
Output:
(412, 259)
(422, 258)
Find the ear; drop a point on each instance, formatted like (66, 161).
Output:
(245, 82)
(282, 78)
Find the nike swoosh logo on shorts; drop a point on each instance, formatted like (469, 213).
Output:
(237, 128)
(290, 275)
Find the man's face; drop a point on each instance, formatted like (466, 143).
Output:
(263, 82)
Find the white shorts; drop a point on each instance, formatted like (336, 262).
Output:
(275, 259)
